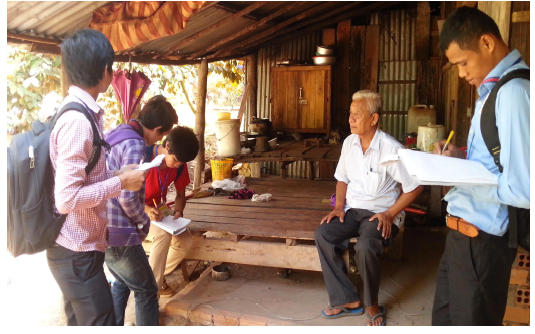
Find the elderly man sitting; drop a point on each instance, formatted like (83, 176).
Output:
(368, 206)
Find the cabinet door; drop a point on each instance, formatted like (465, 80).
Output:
(312, 106)
(284, 97)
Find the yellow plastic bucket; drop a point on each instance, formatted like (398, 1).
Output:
(223, 116)
(221, 169)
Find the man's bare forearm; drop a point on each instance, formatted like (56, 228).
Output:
(404, 201)
(341, 190)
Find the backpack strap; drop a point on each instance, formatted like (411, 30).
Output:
(97, 141)
(490, 134)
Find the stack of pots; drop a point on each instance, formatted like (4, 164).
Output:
(324, 55)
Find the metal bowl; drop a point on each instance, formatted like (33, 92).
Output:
(324, 60)
(221, 272)
(325, 50)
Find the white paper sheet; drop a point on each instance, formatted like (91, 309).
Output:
(431, 169)
(154, 163)
(172, 226)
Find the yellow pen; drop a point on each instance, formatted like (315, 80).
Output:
(156, 205)
(447, 141)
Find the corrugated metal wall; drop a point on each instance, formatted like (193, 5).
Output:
(397, 67)
(301, 48)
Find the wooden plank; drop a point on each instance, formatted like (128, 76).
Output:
(519, 17)
(327, 169)
(329, 36)
(356, 61)
(301, 257)
(256, 231)
(423, 28)
(341, 96)
(516, 314)
(371, 58)
(334, 153)
(305, 89)
(519, 277)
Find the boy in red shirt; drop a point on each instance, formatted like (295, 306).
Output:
(167, 251)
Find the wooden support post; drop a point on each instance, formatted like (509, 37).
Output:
(371, 58)
(200, 121)
(341, 95)
(356, 61)
(253, 82)
(311, 170)
(64, 82)
(500, 11)
(423, 29)
(284, 170)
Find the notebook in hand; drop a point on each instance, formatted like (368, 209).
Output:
(172, 226)
(431, 169)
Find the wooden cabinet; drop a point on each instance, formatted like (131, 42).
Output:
(301, 99)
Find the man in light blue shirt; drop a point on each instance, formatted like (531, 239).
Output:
(474, 272)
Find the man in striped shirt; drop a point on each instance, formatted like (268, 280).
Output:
(77, 257)
(369, 206)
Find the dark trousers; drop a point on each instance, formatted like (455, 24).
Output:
(473, 280)
(332, 240)
(130, 267)
(86, 293)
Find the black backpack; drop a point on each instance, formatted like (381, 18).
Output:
(32, 224)
(518, 217)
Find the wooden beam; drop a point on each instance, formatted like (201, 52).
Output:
(341, 97)
(520, 17)
(278, 27)
(326, 23)
(371, 58)
(252, 79)
(229, 20)
(288, 30)
(423, 28)
(247, 29)
(278, 255)
(33, 38)
(356, 62)
(232, 9)
(200, 121)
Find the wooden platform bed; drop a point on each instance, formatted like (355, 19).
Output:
(278, 233)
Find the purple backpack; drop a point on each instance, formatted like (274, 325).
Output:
(122, 133)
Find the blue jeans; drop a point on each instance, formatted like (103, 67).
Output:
(130, 267)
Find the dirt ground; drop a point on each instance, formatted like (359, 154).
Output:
(407, 290)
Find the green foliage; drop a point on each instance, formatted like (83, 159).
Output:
(32, 77)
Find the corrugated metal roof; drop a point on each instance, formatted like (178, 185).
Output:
(56, 19)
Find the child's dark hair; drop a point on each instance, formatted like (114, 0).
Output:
(183, 143)
(465, 26)
(84, 56)
(158, 112)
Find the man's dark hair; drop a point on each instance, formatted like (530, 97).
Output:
(84, 55)
(183, 143)
(465, 26)
(158, 112)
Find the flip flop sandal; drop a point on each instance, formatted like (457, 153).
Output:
(382, 313)
(345, 312)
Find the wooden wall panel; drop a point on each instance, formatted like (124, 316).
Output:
(520, 32)
(423, 29)
(341, 97)
(500, 11)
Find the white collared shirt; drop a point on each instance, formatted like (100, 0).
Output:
(370, 186)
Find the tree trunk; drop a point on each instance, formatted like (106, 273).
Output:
(200, 121)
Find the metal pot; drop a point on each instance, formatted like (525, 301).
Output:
(324, 60)
(325, 50)
(260, 125)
